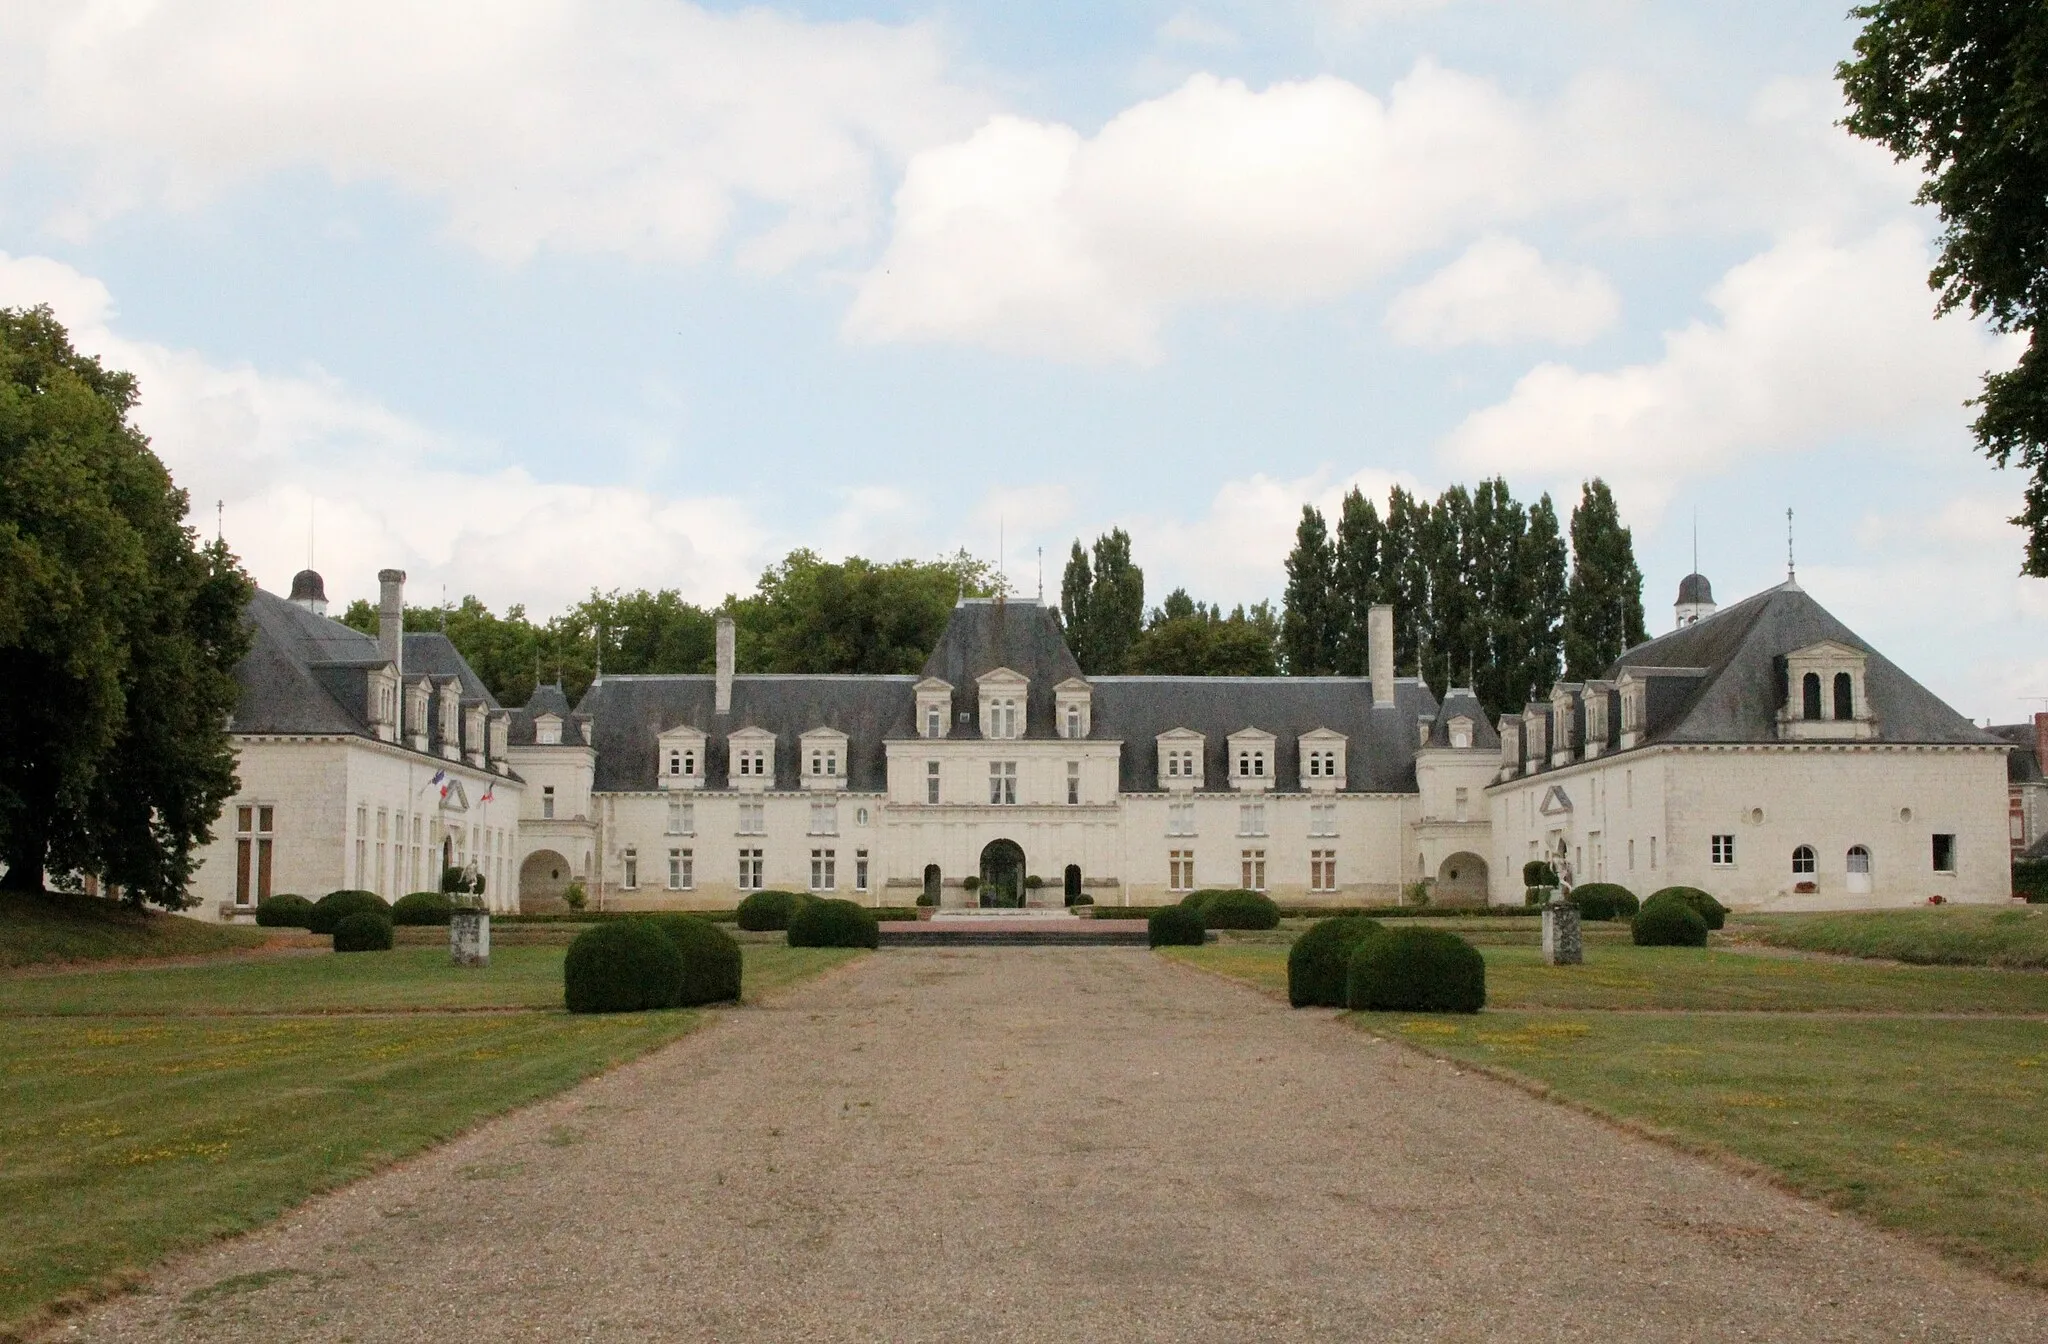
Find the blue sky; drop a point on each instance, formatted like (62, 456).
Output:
(532, 296)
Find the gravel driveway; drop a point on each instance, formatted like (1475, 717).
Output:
(1060, 1143)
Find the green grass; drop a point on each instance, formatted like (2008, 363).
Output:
(1945, 936)
(197, 1102)
(39, 928)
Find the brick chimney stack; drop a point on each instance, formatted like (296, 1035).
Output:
(2041, 741)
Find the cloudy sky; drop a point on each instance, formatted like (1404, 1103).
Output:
(531, 296)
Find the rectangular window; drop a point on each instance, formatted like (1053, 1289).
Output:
(632, 882)
(860, 870)
(1002, 782)
(753, 819)
(824, 818)
(242, 820)
(675, 818)
(1463, 802)
(1180, 869)
(253, 839)
(1251, 764)
(1653, 852)
(1073, 720)
(1073, 783)
(1631, 856)
(1322, 870)
(1724, 851)
(547, 802)
(750, 870)
(1944, 853)
(1251, 818)
(931, 781)
(1180, 818)
(932, 720)
(682, 870)
(1252, 868)
(824, 870)
(1322, 819)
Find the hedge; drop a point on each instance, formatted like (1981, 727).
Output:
(1176, 926)
(336, 906)
(1604, 900)
(423, 908)
(1319, 963)
(622, 967)
(285, 911)
(833, 923)
(711, 957)
(1668, 921)
(1239, 910)
(2029, 880)
(364, 931)
(769, 911)
(1711, 910)
(1415, 971)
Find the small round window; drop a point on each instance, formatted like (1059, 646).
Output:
(860, 817)
(1905, 814)
(1756, 816)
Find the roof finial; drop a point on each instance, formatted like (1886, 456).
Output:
(1791, 570)
(1695, 538)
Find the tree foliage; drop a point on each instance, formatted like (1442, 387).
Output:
(119, 634)
(1102, 603)
(1603, 606)
(1961, 88)
(1309, 624)
(1358, 582)
(1186, 638)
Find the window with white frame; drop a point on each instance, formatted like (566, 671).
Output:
(1252, 868)
(824, 818)
(632, 865)
(1073, 721)
(1180, 869)
(931, 781)
(1322, 818)
(682, 762)
(1180, 762)
(753, 819)
(547, 802)
(1251, 762)
(1180, 818)
(1322, 870)
(753, 762)
(1723, 851)
(1804, 861)
(1002, 717)
(1073, 783)
(934, 721)
(750, 870)
(860, 870)
(682, 870)
(1251, 818)
(242, 824)
(1461, 803)
(1002, 782)
(1322, 763)
(825, 762)
(824, 870)
(383, 826)
(255, 839)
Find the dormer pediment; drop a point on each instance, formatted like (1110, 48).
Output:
(1251, 758)
(750, 759)
(547, 730)
(1556, 802)
(933, 686)
(934, 707)
(1825, 696)
(1180, 759)
(1001, 679)
(822, 758)
(679, 757)
(1322, 760)
(1004, 710)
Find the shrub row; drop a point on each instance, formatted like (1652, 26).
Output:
(650, 961)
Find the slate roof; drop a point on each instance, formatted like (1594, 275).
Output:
(2023, 763)
(1022, 635)
(1736, 695)
(547, 700)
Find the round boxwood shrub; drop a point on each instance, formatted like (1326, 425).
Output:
(622, 967)
(711, 958)
(336, 906)
(770, 911)
(1711, 910)
(285, 911)
(1240, 910)
(1320, 961)
(1603, 900)
(422, 907)
(364, 931)
(833, 923)
(1176, 926)
(1415, 971)
(1083, 899)
(1667, 921)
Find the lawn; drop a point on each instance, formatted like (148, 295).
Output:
(1907, 1094)
(54, 927)
(1955, 935)
(196, 1102)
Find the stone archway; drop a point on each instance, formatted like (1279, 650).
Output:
(1002, 874)
(1460, 880)
(542, 879)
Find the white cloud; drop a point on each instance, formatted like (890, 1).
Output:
(1189, 29)
(638, 127)
(1815, 342)
(1502, 291)
(387, 490)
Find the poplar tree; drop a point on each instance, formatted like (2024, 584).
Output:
(1103, 603)
(1448, 656)
(1360, 539)
(1404, 576)
(1308, 621)
(1603, 609)
(1498, 527)
(1541, 588)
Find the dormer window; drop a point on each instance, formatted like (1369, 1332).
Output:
(825, 762)
(1251, 764)
(824, 754)
(1180, 763)
(934, 707)
(1073, 720)
(1460, 732)
(1003, 712)
(1073, 700)
(1322, 760)
(1180, 759)
(1824, 694)
(753, 759)
(1251, 757)
(753, 763)
(934, 721)
(681, 754)
(547, 730)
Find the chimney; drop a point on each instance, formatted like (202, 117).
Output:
(391, 616)
(1379, 650)
(724, 701)
(2041, 742)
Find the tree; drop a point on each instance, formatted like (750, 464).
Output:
(1308, 621)
(1447, 652)
(1961, 86)
(1494, 545)
(1077, 593)
(1103, 604)
(1541, 585)
(1404, 576)
(1603, 607)
(1189, 639)
(1360, 539)
(119, 634)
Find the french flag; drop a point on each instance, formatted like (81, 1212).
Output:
(440, 778)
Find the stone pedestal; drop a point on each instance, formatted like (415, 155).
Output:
(1563, 944)
(469, 937)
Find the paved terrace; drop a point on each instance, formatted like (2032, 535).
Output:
(1057, 1143)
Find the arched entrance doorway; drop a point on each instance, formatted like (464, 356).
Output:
(1461, 880)
(1073, 883)
(542, 880)
(1002, 874)
(931, 884)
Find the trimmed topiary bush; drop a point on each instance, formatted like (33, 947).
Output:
(1711, 910)
(622, 967)
(1537, 873)
(1415, 971)
(285, 911)
(1668, 921)
(1603, 900)
(1176, 926)
(1239, 910)
(1319, 963)
(769, 911)
(834, 923)
(364, 931)
(1083, 899)
(422, 908)
(711, 958)
(336, 906)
